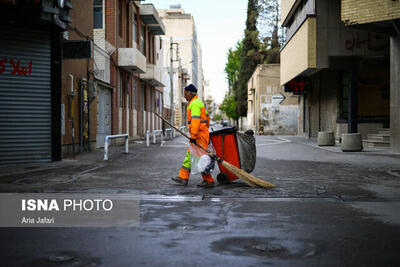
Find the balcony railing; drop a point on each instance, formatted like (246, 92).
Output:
(131, 60)
(153, 75)
(150, 16)
(101, 64)
(298, 56)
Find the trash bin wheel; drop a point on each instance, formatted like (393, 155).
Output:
(222, 178)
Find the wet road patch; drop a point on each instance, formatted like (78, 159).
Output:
(265, 247)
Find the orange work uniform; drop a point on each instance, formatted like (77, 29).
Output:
(198, 123)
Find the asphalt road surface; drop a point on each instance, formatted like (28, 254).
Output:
(329, 209)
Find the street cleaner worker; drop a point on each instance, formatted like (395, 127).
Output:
(198, 123)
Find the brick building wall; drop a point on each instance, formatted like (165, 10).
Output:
(82, 21)
(367, 11)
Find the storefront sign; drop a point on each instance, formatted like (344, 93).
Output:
(296, 86)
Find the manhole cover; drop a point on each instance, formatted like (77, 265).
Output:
(60, 258)
(45, 180)
(272, 248)
(265, 247)
(394, 172)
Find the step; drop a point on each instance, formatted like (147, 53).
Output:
(383, 137)
(376, 143)
(384, 131)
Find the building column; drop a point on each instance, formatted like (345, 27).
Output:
(353, 101)
(395, 92)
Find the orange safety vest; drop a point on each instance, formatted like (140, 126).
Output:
(198, 119)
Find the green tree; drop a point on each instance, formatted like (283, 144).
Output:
(249, 57)
(228, 106)
(269, 22)
(272, 34)
(217, 117)
(232, 66)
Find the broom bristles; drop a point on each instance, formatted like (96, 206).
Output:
(246, 177)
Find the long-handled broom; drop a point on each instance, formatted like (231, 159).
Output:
(246, 177)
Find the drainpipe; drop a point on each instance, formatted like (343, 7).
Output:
(81, 113)
(171, 81)
(71, 99)
(89, 103)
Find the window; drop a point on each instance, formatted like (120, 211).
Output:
(142, 39)
(152, 47)
(128, 98)
(98, 14)
(142, 95)
(148, 50)
(127, 25)
(134, 93)
(120, 89)
(134, 28)
(120, 17)
(148, 100)
(154, 107)
(161, 103)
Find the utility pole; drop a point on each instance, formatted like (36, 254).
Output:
(171, 77)
(171, 74)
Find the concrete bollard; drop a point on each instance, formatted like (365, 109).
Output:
(326, 139)
(147, 138)
(352, 142)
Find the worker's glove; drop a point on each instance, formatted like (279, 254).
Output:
(213, 156)
(193, 140)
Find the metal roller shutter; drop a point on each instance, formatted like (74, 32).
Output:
(25, 95)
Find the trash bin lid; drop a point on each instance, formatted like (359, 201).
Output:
(228, 130)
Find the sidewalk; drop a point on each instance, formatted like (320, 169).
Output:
(67, 170)
(337, 147)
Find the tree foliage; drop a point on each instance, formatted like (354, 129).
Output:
(217, 117)
(269, 22)
(249, 57)
(228, 106)
(272, 34)
(232, 66)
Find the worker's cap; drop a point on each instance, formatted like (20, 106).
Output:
(191, 88)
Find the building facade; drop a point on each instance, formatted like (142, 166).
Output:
(71, 76)
(78, 108)
(270, 109)
(127, 37)
(341, 73)
(182, 47)
(30, 79)
(381, 17)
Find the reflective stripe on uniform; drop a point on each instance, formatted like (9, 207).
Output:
(195, 117)
(185, 168)
(186, 161)
(202, 121)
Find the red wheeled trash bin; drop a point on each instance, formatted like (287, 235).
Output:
(235, 147)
